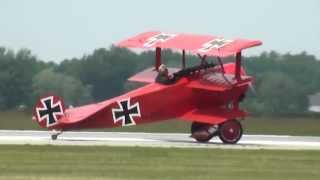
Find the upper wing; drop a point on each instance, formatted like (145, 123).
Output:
(198, 44)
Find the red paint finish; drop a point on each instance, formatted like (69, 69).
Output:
(149, 75)
(209, 95)
(197, 44)
(189, 99)
(49, 111)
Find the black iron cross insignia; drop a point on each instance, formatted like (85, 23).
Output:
(126, 112)
(49, 111)
(162, 37)
(214, 44)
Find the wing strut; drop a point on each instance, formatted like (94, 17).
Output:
(221, 65)
(203, 59)
(158, 58)
(238, 66)
(183, 59)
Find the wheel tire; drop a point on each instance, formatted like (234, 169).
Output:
(199, 131)
(230, 132)
(54, 136)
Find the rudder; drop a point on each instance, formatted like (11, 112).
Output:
(48, 110)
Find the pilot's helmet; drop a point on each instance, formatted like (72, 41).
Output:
(162, 68)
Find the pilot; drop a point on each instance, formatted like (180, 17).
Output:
(163, 76)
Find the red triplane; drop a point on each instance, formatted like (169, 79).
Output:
(207, 95)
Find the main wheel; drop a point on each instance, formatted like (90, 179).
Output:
(230, 132)
(201, 132)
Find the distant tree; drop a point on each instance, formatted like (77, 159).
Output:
(302, 70)
(106, 71)
(69, 88)
(283, 81)
(279, 94)
(16, 72)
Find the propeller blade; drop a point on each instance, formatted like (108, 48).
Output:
(252, 89)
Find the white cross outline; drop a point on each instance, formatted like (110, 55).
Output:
(153, 40)
(208, 45)
(38, 109)
(120, 109)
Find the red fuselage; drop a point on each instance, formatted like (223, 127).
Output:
(190, 97)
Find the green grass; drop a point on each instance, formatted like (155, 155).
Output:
(103, 162)
(252, 125)
(17, 120)
(304, 126)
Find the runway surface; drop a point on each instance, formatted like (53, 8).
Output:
(156, 140)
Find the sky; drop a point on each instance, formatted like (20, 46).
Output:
(62, 29)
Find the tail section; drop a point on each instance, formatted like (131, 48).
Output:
(48, 110)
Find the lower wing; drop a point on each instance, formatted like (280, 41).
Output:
(213, 115)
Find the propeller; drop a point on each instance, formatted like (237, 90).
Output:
(252, 89)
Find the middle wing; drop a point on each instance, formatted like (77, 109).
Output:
(149, 75)
(218, 81)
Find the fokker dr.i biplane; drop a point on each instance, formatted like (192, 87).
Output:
(207, 95)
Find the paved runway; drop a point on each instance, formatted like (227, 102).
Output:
(156, 140)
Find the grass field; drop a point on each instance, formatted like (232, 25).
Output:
(103, 162)
(252, 125)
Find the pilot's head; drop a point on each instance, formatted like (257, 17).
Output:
(163, 69)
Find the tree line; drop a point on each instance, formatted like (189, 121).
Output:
(283, 82)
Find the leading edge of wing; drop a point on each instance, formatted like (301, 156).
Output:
(197, 44)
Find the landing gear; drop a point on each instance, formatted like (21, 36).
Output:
(203, 132)
(55, 134)
(230, 132)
